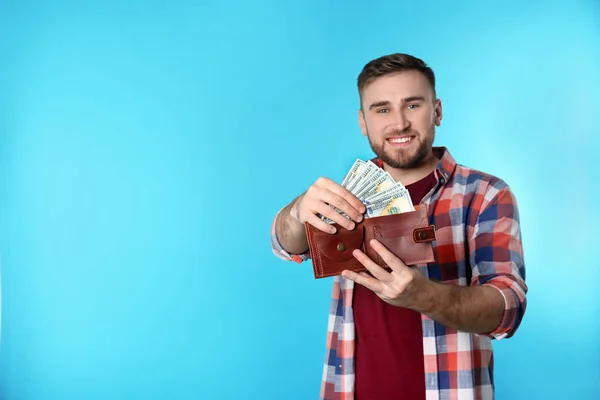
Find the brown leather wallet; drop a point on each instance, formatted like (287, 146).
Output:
(408, 235)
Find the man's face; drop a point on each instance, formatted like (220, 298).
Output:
(399, 115)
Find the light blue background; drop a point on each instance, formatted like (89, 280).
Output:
(145, 148)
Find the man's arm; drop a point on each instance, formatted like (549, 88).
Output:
(495, 302)
(476, 309)
(496, 255)
(290, 233)
(469, 309)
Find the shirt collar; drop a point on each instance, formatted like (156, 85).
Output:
(446, 166)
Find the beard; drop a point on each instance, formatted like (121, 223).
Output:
(404, 158)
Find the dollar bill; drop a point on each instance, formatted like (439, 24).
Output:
(352, 172)
(369, 182)
(375, 187)
(395, 205)
(362, 175)
(387, 194)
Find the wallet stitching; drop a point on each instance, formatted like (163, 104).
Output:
(427, 260)
(376, 234)
(318, 266)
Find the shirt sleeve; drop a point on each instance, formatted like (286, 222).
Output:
(279, 251)
(496, 255)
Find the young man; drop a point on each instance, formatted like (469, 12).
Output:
(420, 332)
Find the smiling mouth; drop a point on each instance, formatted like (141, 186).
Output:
(400, 139)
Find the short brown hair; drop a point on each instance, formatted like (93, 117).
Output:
(390, 64)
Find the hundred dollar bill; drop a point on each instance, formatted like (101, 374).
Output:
(397, 193)
(356, 176)
(376, 185)
(390, 192)
(352, 172)
(367, 182)
(363, 173)
(396, 205)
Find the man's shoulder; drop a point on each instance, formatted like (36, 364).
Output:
(468, 175)
(471, 180)
(464, 178)
(477, 189)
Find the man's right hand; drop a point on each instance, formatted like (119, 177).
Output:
(319, 199)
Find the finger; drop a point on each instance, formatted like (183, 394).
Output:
(364, 280)
(372, 267)
(321, 225)
(329, 212)
(311, 206)
(342, 192)
(339, 202)
(396, 264)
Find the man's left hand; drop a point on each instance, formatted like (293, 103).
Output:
(403, 286)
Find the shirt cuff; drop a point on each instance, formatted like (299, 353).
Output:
(278, 249)
(512, 309)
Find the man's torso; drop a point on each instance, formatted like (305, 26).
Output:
(389, 339)
(453, 364)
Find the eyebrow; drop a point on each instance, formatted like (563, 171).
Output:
(387, 103)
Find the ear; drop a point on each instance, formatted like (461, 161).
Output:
(361, 122)
(438, 112)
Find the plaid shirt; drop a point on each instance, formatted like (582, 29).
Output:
(478, 242)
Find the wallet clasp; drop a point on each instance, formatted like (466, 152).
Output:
(424, 235)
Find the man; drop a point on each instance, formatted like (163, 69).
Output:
(420, 332)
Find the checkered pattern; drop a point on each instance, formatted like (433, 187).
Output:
(478, 243)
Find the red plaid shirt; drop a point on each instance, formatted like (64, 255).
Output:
(478, 242)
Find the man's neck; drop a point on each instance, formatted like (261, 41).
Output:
(412, 175)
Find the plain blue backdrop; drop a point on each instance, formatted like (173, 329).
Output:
(146, 146)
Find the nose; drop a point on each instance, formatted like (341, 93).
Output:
(401, 122)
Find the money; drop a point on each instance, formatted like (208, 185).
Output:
(377, 190)
(362, 174)
(352, 173)
(373, 184)
(392, 205)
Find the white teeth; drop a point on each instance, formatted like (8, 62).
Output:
(400, 140)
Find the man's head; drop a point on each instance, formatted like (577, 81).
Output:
(399, 109)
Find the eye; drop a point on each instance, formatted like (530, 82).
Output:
(412, 106)
(382, 110)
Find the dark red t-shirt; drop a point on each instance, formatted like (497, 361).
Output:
(389, 339)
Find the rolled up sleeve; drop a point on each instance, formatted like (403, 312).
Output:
(496, 255)
(278, 249)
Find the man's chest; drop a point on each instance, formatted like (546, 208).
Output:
(451, 218)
